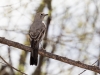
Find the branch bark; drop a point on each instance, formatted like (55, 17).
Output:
(50, 55)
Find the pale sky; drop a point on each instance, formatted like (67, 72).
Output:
(15, 16)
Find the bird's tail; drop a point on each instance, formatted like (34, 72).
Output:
(34, 53)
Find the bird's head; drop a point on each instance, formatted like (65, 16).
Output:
(40, 15)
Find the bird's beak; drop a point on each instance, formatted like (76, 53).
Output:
(45, 14)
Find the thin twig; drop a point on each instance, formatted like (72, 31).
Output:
(85, 70)
(12, 66)
(10, 61)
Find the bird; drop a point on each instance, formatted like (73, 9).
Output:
(36, 32)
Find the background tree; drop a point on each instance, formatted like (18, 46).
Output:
(73, 31)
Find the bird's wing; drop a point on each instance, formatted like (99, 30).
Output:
(37, 35)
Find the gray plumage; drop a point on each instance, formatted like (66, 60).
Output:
(36, 33)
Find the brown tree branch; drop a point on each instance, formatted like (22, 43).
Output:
(50, 55)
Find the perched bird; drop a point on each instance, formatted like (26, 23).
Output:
(36, 33)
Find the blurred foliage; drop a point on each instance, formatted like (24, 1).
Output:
(73, 31)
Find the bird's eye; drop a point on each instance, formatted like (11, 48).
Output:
(41, 14)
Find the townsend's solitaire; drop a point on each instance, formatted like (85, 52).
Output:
(36, 33)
